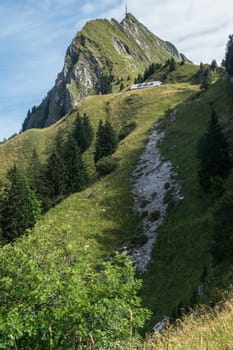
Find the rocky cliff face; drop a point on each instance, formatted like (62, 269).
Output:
(103, 54)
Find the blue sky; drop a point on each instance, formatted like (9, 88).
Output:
(35, 34)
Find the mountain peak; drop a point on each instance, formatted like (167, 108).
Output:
(129, 17)
(101, 55)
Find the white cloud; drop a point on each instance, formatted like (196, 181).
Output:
(174, 20)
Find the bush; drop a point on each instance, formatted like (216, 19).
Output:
(60, 302)
(139, 240)
(214, 156)
(106, 165)
(144, 214)
(154, 215)
(144, 203)
(222, 246)
(126, 130)
(168, 197)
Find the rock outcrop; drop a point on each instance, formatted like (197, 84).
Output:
(101, 55)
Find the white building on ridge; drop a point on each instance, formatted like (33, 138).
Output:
(146, 85)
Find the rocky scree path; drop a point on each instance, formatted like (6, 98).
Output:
(151, 180)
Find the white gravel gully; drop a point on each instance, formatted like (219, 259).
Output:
(148, 188)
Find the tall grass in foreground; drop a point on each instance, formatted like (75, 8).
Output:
(204, 328)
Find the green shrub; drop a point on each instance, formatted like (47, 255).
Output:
(154, 215)
(144, 214)
(126, 130)
(168, 197)
(139, 240)
(59, 301)
(144, 203)
(106, 165)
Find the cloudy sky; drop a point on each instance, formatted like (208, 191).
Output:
(34, 36)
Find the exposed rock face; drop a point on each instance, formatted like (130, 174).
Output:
(152, 180)
(102, 50)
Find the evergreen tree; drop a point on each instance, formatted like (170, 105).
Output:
(110, 139)
(213, 65)
(83, 132)
(55, 175)
(106, 141)
(214, 154)
(88, 129)
(139, 79)
(99, 142)
(26, 120)
(122, 86)
(37, 179)
(20, 207)
(222, 246)
(74, 168)
(229, 56)
(66, 172)
(201, 67)
(172, 65)
(206, 79)
(106, 84)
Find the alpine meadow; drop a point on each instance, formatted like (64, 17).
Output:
(116, 201)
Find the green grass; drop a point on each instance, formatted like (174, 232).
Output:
(183, 73)
(204, 329)
(181, 257)
(102, 216)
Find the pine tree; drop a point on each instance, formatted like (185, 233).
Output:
(75, 170)
(55, 175)
(110, 139)
(139, 79)
(122, 86)
(214, 154)
(229, 56)
(20, 207)
(26, 120)
(99, 142)
(201, 68)
(83, 132)
(206, 79)
(213, 65)
(106, 141)
(222, 245)
(172, 65)
(106, 84)
(37, 179)
(89, 131)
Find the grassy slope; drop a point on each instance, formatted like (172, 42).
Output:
(20, 148)
(209, 329)
(181, 256)
(183, 72)
(102, 216)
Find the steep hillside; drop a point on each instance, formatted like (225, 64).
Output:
(102, 55)
(188, 226)
(144, 107)
(182, 73)
(183, 247)
(101, 219)
(204, 328)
